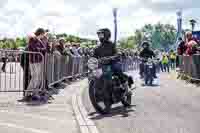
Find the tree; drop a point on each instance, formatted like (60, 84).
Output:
(138, 37)
(160, 35)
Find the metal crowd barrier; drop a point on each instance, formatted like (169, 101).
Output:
(61, 67)
(49, 69)
(15, 73)
(190, 66)
(130, 63)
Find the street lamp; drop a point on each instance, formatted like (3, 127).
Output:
(115, 24)
(193, 23)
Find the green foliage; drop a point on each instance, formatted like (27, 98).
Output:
(22, 42)
(160, 35)
(128, 43)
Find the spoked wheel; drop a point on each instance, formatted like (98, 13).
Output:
(97, 99)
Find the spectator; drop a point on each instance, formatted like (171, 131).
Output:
(74, 50)
(190, 44)
(159, 58)
(24, 63)
(36, 63)
(45, 40)
(61, 47)
(57, 62)
(52, 43)
(4, 60)
(181, 46)
(165, 62)
(76, 61)
(180, 50)
(67, 52)
(172, 58)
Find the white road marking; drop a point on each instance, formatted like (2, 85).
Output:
(31, 115)
(10, 125)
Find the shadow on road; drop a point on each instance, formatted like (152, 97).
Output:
(154, 85)
(124, 112)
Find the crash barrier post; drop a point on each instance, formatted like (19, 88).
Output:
(190, 66)
(18, 74)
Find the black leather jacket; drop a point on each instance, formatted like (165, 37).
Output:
(147, 53)
(105, 49)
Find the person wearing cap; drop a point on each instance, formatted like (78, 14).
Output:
(36, 63)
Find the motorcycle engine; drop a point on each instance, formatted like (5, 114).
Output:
(117, 87)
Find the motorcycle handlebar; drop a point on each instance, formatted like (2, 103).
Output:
(107, 60)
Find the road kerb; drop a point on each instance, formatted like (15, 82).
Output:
(88, 121)
(85, 124)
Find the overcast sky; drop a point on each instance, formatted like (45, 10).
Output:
(84, 17)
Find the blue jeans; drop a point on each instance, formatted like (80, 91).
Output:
(166, 67)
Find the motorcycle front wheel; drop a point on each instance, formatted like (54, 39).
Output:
(127, 100)
(97, 99)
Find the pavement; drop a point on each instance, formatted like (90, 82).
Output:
(170, 107)
(56, 117)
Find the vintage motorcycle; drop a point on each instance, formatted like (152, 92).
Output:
(149, 71)
(106, 88)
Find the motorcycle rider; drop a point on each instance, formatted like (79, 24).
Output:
(145, 54)
(105, 49)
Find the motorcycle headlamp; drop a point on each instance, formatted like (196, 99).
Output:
(92, 63)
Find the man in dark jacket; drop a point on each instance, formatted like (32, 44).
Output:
(181, 46)
(4, 60)
(106, 49)
(24, 63)
(36, 62)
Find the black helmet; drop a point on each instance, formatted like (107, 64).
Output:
(145, 44)
(104, 34)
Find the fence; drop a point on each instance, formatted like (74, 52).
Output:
(49, 69)
(190, 66)
(15, 70)
(61, 67)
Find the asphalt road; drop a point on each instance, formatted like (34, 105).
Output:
(56, 117)
(171, 107)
